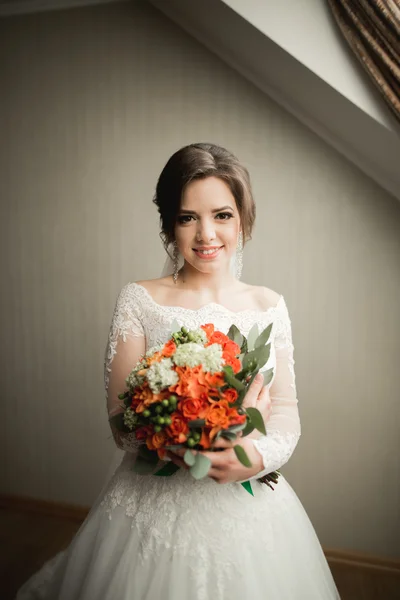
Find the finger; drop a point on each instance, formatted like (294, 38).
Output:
(223, 443)
(264, 394)
(215, 474)
(250, 399)
(177, 460)
(217, 459)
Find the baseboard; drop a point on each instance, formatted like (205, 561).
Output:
(359, 560)
(61, 510)
(340, 558)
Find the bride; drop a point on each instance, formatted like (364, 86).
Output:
(177, 538)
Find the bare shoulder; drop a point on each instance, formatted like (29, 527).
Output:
(264, 297)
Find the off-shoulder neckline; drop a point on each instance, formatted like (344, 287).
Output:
(209, 305)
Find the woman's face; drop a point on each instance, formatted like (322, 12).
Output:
(207, 225)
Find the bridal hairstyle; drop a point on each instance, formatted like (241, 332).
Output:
(198, 161)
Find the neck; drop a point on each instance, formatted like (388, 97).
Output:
(193, 279)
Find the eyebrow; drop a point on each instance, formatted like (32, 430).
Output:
(192, 212)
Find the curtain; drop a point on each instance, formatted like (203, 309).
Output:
(372, 30)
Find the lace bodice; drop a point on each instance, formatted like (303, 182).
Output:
(139, 323)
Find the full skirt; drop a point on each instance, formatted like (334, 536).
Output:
(175, 538)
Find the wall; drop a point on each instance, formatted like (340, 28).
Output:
(94, 101)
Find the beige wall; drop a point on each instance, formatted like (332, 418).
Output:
(93, 103)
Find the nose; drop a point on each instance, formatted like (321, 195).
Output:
(205, 231)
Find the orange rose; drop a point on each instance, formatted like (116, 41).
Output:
(208, 328)
(214, 380)
(159, 439)
(217, 415)
(178, 426)
(231, 347)
(218, 338)
(230, 395)
(169, 349)
(191, 382)
(232, 361)
(193, 408)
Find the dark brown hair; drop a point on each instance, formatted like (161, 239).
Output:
(198, 161)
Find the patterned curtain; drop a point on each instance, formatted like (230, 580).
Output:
(372, 30)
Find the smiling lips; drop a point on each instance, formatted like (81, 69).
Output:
(207, 253)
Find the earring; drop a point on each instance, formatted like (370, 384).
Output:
(175, 261)
(239, 256)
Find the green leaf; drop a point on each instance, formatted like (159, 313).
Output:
(252, 336)
(242, 456)
(237, 428)
(243, 347)
(235, 335)
(201, 466)
(257, 358)
(231, 379)
(127, 401)
(229, 435)
(142, 466)
(167, 470)
(268, 375)
(175, 327)
(247, 486)
(189, 458)
(197, 423)
(248, 429)
(256, 419)
(263, 337)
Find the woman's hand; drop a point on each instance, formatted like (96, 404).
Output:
(258, 397)
(225, 466)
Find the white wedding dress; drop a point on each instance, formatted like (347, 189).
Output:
(175, 538)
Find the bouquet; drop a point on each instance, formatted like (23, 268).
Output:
(189, 392)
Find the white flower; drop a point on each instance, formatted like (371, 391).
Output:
(133, 378)
(192, 355)
(161, 375)
(154, 349)
(212, 358)
(188, 355)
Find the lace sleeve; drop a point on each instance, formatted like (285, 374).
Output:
(283, 426)
(126, 343)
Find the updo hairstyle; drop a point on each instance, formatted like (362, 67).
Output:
(198, 161)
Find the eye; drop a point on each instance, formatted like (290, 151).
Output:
(184, 219)
(224, 216)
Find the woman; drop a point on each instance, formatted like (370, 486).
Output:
(176, 538)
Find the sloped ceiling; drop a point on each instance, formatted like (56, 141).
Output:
(293, 52)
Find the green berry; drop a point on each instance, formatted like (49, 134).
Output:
(171, 409)
(191, 442)
(165, 402)
(173, 399)
(167, 420)
(146, 413)
(197, 437)
(160, 420)
(158, 409)
(157, 428)
(184, 330)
